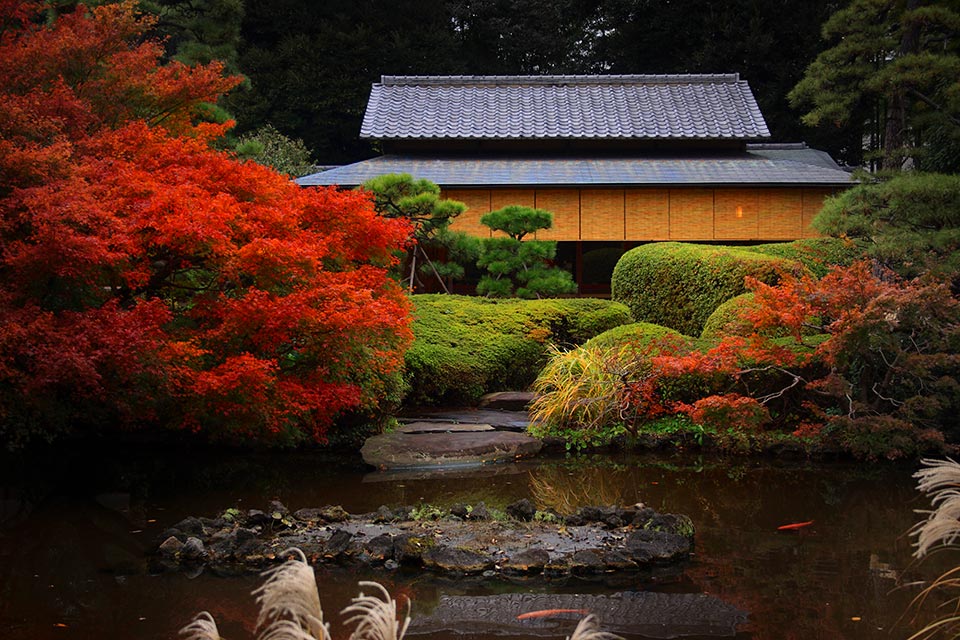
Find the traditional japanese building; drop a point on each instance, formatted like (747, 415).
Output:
(618, 159)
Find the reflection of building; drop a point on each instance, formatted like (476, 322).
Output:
(619, 160)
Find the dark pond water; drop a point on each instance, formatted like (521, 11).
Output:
(75, 530)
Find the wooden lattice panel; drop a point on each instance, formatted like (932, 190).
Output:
(601, 214)
(564, 204)
(735, 214)
(647, 214)
(478, 203)
(691, 214)
(781, 214)
(812, 203)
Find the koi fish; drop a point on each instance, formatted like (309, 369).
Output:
(794, 526)
(546, 613)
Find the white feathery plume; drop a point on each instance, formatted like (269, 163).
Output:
(202, 627)
(289, 602)
(940, 480)
(589, 629)
(376, 617)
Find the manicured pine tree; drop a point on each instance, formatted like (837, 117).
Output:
(518, 267)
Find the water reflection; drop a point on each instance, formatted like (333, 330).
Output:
(74, 530)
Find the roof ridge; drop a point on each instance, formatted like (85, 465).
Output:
(595, 79)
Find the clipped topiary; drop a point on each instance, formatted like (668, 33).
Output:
(818, 255)
(728, 320)
(467, 346)
(639, 334)
(679, 285)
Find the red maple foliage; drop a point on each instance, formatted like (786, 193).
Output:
(865, 359)
(147, 278)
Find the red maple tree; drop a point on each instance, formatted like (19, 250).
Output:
(146, 278)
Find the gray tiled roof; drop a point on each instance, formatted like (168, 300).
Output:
(701, 107)
(761, 167)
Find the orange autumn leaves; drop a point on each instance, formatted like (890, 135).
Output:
(146, 278)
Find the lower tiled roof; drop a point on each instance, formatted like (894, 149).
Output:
(754, 167)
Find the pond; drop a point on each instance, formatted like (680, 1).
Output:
(75, 530)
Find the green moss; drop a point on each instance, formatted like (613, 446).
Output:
(465, 346)
(640, 334)
(679, 285)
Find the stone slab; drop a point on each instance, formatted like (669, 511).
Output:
(507, 400)
(443, 427)
(646, 614)
(400, 450)
(499, 420)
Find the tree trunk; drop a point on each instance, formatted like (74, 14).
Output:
(896, 128)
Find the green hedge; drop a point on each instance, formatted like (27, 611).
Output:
(638, 333)
(727, 320)
(679, 285)
(466, 346)
(818, 255)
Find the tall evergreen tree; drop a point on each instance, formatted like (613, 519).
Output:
(894, 64)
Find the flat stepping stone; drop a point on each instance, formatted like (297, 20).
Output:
(443, 427)
(507, 400)
(417, 450)
(646, 614)
(499, 420)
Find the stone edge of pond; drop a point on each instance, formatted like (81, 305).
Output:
(463, 541)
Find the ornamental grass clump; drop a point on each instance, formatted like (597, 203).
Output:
(939, 531)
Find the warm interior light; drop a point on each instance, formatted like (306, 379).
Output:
(739, 212)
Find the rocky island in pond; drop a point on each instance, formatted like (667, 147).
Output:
(461, 540)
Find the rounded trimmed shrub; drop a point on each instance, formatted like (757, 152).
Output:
(679, 285)
(640, 334)
(467, 346)
(727, 319)
(817, 255)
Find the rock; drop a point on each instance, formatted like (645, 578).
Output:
(170, 547)
(334, 513)
(409, 548)
(308, 515)
(191, 526)
(586, 561)
(456, 560)
(479, 512)
(460, 510)
(527, 561)
(380, 548)
(337, 543)
(616, 561)
(656, 547)
(391, 565)
(401, 450)
(642, 517)
(522, 510)
(383, 514)
(278, 510)
(255, 517)
(671, 523)
(193, 550)
(507, 400)
(590, 514)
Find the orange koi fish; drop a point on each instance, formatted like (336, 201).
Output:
(794, 526)
(546, 613)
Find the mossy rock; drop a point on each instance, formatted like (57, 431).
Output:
(679, 285)
(467, 346)
(638, 334)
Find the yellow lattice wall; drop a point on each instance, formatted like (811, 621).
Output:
(781, 214)
(564, 204)
(601, 214)
(691, 214)
(638, 214)
(647, 214)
